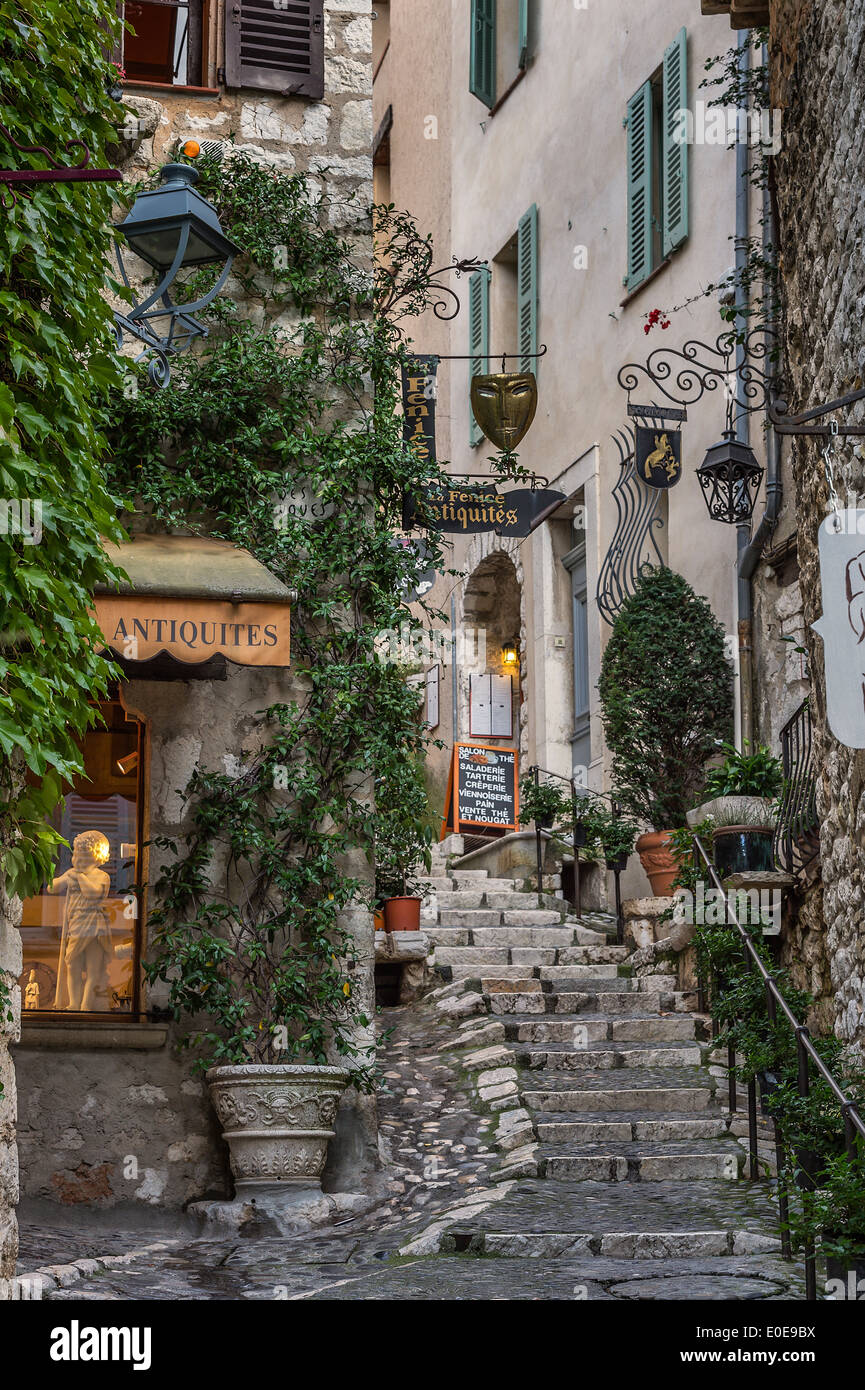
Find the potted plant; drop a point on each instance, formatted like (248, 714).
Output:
(742, 794)
(403, 841)
(542, 802)
(667, 699)
(618, 836)
(265, 981)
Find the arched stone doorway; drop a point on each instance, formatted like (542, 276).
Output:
(492, 618)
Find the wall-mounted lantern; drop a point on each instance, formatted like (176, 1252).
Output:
(171, 228)
(730, 477)
(510, 654)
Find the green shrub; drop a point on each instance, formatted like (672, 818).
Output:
(667, 697)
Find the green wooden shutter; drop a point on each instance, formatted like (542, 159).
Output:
(523, 43)
(674, 158)
(479, 338)
(482, 80)
(639, 186)
(527, 288)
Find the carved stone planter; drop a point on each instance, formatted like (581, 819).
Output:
(277, 1121)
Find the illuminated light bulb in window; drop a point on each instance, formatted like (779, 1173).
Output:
(510, 654)
(128, 764)
(102, 850)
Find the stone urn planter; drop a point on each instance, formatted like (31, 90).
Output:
(658, 860)
(277, 1121)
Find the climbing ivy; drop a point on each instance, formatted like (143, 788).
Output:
(57, 373)
(282, 434)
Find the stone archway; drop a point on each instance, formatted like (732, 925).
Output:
(492, 613)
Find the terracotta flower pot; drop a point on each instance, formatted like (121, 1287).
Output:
(659, 861)
(402, 914)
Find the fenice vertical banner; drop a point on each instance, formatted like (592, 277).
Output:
(419, 406)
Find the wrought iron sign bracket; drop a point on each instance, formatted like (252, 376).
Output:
(58, 173)
(785, 423)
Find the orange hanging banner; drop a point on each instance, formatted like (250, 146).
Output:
(192, 630)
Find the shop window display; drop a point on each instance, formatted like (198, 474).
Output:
(81, 932)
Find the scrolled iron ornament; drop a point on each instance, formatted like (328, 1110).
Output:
(633, 551)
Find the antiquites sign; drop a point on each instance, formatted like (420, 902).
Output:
(465, 510)
(841, 541)
(193, 630)
(419, 406)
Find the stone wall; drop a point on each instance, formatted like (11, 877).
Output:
(106, 1122)
(819, 82)
(10, 969)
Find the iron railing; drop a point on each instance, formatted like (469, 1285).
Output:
(797, 839)
(808, 1058)
(578, 840)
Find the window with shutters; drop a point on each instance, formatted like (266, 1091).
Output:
(479, 338)
(81, 934)
(276, 46)
(500, 46)
(657, 166)
(164, 42)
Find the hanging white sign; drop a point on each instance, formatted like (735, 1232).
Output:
(841, 540)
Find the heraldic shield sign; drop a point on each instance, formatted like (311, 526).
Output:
(658, 455)
(841, 540)
(504, 405)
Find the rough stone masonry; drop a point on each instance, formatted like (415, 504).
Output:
(818, 80)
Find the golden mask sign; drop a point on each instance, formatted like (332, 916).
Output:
(193, 630)
(504, 405)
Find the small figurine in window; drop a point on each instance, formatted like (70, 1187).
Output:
(85, 943)
(31, 992)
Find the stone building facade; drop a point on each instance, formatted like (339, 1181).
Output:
(817, 83)
(108, 1113)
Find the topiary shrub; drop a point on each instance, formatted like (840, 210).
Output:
(666, 692)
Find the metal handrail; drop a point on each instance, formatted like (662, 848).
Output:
(807, 1054)
(584, 793)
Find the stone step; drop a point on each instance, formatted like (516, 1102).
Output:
(629, 1128)
(492, 983)
(571, 1057)
(593, 984)
(435, 883)
(528, 917)
(591, 971)
(636, 1222)
(619, 1002)
(603, 1001)
(651, 1028)
(654, 984)
(680, 1089)
(533, 938)
(483, 917)
(489, 971)
(472, 955)
(470, 875)
(587, 955)
(719, 1160)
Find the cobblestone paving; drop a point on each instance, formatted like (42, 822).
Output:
(438, 1144)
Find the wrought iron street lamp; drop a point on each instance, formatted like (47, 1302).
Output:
(171, 228)
(730, 477)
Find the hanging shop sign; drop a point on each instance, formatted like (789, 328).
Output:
(482, 788)
(504, 405)
(841, 541)
(419, 406)
(658, 451)
(465, 509)
(193, 630)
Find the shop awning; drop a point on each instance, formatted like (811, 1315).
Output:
(194, 598)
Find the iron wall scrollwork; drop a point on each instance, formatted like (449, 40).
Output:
(684, 375)
(633, 550)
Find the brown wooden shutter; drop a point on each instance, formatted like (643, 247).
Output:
(277, 47)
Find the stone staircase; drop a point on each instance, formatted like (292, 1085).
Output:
(599, 1083)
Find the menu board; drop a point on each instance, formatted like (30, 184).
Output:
(485, 788)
